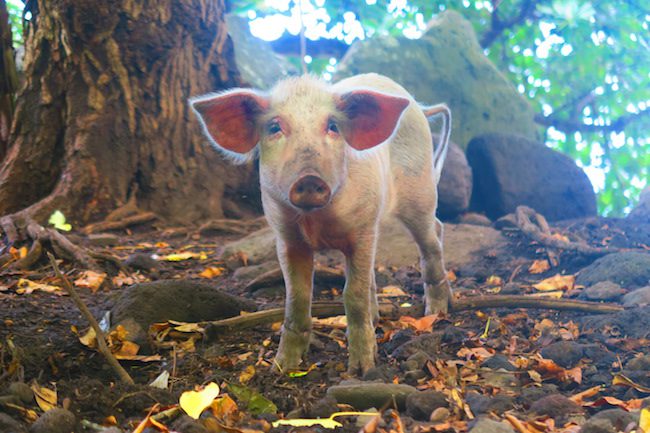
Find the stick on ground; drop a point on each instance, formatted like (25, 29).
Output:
(101, 340)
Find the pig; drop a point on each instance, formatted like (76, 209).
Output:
(334, 159)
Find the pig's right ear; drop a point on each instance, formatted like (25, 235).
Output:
(229, 118)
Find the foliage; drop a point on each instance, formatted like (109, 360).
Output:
(16, 17)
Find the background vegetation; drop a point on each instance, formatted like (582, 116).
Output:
(584, 66)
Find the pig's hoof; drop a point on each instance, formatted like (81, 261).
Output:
(359, 365)
(292, 346)
(437, 297)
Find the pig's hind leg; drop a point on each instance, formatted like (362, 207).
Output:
(426, 230)
(297, 263)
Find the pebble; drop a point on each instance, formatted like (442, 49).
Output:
(483, 404)
(566, 354)
(556, 406)
(55, 420)
(637, 298)
(10, 425)
(604, 291)
(497, 362)
(609, 420)
(22, 391)
(439, 415)
(486, 425)
(420, 405)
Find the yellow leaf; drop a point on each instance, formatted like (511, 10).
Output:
(556, 282)
(161, 245)
(179, 257)
(644, 420)
(127, 349)
(247, 374)
(391, 291)
(301, 373)
(211, 272)
(224, 407)
(90, 280)
(494, 280)
(57, 219)
(89, 339)
(195, 402)
(46, 398)
(22, 252)
(620, 379)
(539, 266)
(555, 294)
(338, 322)
(25, 286)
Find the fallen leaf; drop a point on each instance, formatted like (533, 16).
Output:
(301, 373)
(494, 280)
(328, 423)
(224, 408)
(46, 398)
(337, 322)
(539, 267)
(422, 324)
(644, 420)
(555, 294)
(179, 257)
(162, 381)
(211, 272)
(556, 282)
(57, 219)
(255, 402)
(391, 291)
(90, 280)
(26, 287)
(247, 374)
(195, 402)
(620, 379)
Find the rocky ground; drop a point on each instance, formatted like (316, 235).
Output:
(481, 370)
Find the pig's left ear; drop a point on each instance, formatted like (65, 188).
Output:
(229, 119)
(372, 117)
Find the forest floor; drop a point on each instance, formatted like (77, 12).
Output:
(530, 370)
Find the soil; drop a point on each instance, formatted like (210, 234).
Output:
(40, 327)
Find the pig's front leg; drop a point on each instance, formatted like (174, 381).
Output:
(359, 304)
(297, 263)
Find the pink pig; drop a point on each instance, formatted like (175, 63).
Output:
(334, 159)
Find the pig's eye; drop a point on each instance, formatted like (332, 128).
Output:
(332, 126)
(273, 127)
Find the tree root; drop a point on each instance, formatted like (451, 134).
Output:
(128, 221)
(391, 311)
(238, 227)
(19, 228)
(541, 232)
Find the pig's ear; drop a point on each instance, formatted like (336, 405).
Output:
(372, 117)
(229, 118)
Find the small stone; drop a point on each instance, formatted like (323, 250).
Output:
(639, 363)
(187, 424)
(420, 405)
(555, 405)
(604, 291)
(22, 391)
(475, 219)
(55, 420)
(637, 298)
(630, 270)
(381, 373)
(103, 239)
(10, 425)
(564, 353)
(364, 395)
(608, 421)
(497, 362)
(427, 343)
(323, 408)
(142, 262)
(531, 394)
(483, 404)
(439, 415)
(511, 289)
(486, 425)
(249, 273)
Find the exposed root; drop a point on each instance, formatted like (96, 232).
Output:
(19, 228)
(541, 232)
(238, 227)
(105, 225)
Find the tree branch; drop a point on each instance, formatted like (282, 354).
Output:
(569, 126)
(498, 26)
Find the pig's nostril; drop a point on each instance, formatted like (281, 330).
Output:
(300, 189)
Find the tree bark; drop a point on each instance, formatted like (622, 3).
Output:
(8, 79)
(103, 114)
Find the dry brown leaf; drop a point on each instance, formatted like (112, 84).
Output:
(90, 280)
(556, 282)
(337, 322)
(211, 272)
(46, 398)
(391, 291)
(539, 267)
(247, 374)
(26, 287)
(422, 324)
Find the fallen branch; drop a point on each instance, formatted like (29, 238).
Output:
(120, 224)
(238, 227)
(391, 311)
(101, 339)
(540, 232)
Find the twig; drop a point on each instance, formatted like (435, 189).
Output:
(388, 310)
(542, 235)
(101, 340)
(123, 223)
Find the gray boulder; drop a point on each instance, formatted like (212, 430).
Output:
(455, 187)
(258, 64)
(642, 210)
(510, 171)
(447, 64)
(630, 270)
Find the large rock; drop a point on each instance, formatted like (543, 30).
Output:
(642, 210)
(455, 187)
(258, 64)
(447, 64)
(462, 243)
(510, 171)
(629, 270)
(140, 305)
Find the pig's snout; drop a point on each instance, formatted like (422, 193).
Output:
(309, 192)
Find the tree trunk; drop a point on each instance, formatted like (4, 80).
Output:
(8, 79)
(103, 114)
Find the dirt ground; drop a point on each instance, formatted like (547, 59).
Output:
(485, 363)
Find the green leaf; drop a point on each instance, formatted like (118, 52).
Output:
(255, 402)
(57, 219)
